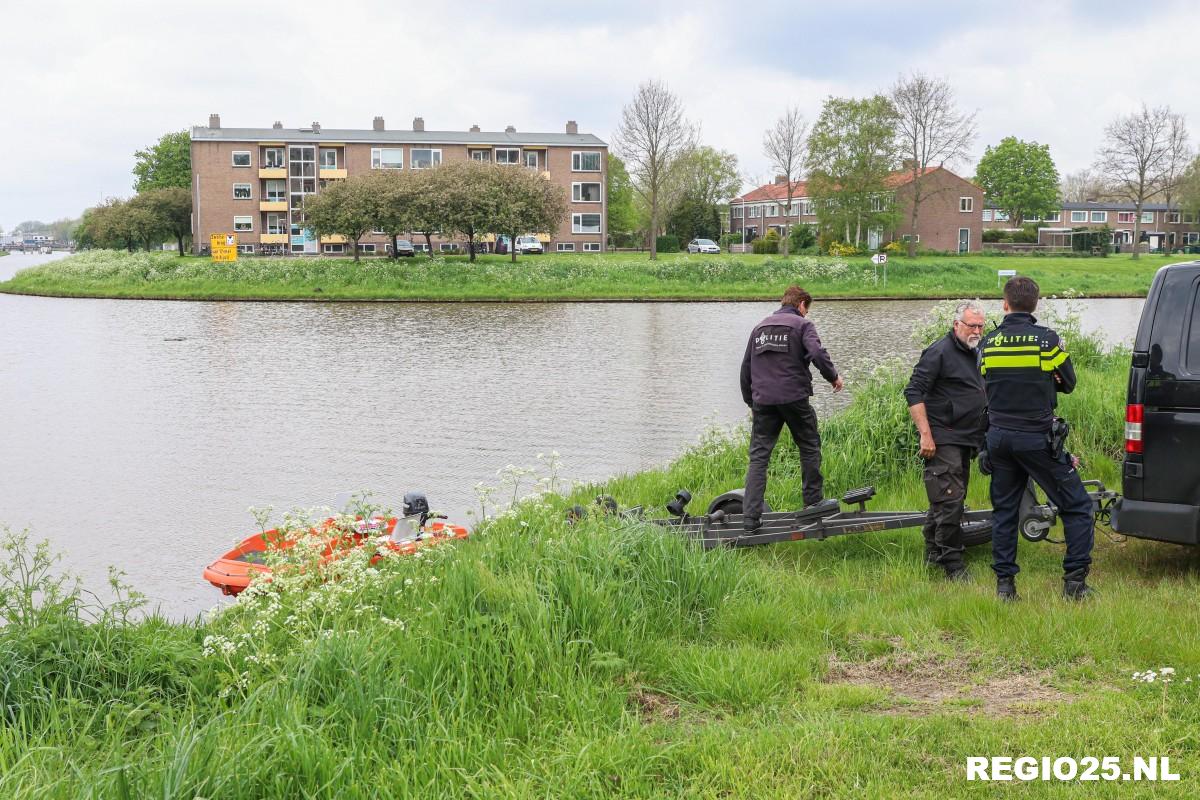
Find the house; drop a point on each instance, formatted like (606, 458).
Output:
(252, 181)
(1162, 226)
(948, 218)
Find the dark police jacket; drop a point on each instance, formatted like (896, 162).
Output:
(947, 380)
(775, 369)
(1020, 361)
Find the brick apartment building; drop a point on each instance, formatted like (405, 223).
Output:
(1162, 226)
(948, 219)
(252, 181)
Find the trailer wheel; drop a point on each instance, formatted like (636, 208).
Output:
(731, 503)
(977, 533)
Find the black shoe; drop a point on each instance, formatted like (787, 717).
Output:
(1006, 589)
(958, 575)
(1077, 590)
(751, 525)
(931, 558)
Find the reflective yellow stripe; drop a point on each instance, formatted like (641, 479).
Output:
(1051, 364)
(1053, 351)
(1031, 360)
(1006, 349)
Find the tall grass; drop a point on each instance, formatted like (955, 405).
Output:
(610, 658)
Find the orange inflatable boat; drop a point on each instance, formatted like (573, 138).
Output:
(233, 572)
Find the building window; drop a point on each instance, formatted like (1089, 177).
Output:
(1171, 217)
(877, 203)
(449, 247)
(1125, 217)
(754, 210)
(1053, 216)
(1099, 216)
(241, 158)
(566, 247)
(329, 159)
(585, 223)
(1078, 216)
(585, 192)
(987, 215)
(1189, 219)
(245, 249)
(908, 237)
(273, 158)
(508, 155)
(1193, 237)
(591, 247)
(241, 191)
(806, 208)
(1000, 216)
(586, 161)
(424, 158)
(243, 223)
(276, 191)
(966, 204)
(387, 158)
(1147, 217)
(420, 248)
(736, 212)
(366, 248)
(276, 223)
(481, 155)
(334, 248)
(531, 159)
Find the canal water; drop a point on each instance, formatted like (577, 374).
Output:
(138, 433)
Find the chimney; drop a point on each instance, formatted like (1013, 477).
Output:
(277, 126)
(316, 127)
(780, 180)
(418, 123)
(214, 121)
(474, 129)
(510, 129)
(572, 127)
(377, 124)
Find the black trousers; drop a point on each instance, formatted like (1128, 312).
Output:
(1016, 457)
(768, 421)
(946, 476)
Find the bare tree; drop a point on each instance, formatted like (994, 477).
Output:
(784, 145)
(931, 131)
(1083, 185)
(1140, 157)
(651, 137)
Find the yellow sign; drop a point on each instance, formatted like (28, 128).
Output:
(223, 247)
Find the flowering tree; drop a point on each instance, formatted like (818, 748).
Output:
(528, 203)
(343, 208)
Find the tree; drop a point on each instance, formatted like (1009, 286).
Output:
(1140, 155)
(165, 164)
(30, 226)
(1189, 189)
(1019, 178)
(852, 150)
(702, 179)
(145, 220)
(931, 131)
(692, 218)
(622, 216)
(427, 204)
(392, 199)
(651, 137)
(783, 145)
(173, 208)
(342, 208)
(471, 197)
(1083, 185)
(63, 230)
(529, 202)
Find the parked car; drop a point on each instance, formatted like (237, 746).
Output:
(703, 246)
(45, 250)
(1160, 483)
(405, 248)
(529, 244)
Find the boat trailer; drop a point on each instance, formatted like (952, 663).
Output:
(721, 525)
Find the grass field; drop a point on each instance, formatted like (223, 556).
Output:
(611, 659)
(614, 276)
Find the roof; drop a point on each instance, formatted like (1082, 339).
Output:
(778, 191)
(202, 133)
(1100, 205)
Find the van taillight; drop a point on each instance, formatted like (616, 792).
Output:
(1133, 428)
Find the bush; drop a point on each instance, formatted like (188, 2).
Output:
(768, 244)
(667, 244)
(1087, 240)
(801, 237)
(895, 248)
(993, 235)
(731, 238)
(842, 249)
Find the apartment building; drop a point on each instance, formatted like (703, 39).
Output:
(253, 181)
(948, 218)
(1162, 226)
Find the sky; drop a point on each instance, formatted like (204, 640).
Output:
(88, 83)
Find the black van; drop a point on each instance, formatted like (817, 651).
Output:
(1161, 478)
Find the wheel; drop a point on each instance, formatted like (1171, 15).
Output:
(731, 503)
(977, 533)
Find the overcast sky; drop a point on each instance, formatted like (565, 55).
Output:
(90, 82)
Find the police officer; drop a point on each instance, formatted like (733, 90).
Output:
(948, 404)
(1024, 366)
(776, 384)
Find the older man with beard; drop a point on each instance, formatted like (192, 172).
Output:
(948, 402)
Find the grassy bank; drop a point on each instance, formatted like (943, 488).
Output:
(615, 276)
(612, 660)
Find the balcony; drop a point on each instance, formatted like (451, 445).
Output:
(334, 240)
(273, 205)
(273, 238)
(273, 172)
(332, 174)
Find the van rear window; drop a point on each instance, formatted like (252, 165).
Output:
(1192, 345)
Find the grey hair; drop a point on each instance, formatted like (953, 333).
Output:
(969, 305)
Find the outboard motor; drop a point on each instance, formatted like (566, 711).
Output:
(416, 504)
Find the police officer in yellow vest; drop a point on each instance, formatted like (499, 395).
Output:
(1024, 367)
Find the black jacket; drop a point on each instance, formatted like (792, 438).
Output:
(1024, 366)
(775, 369)
(947, 380)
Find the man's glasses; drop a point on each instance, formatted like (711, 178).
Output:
(978, 327)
